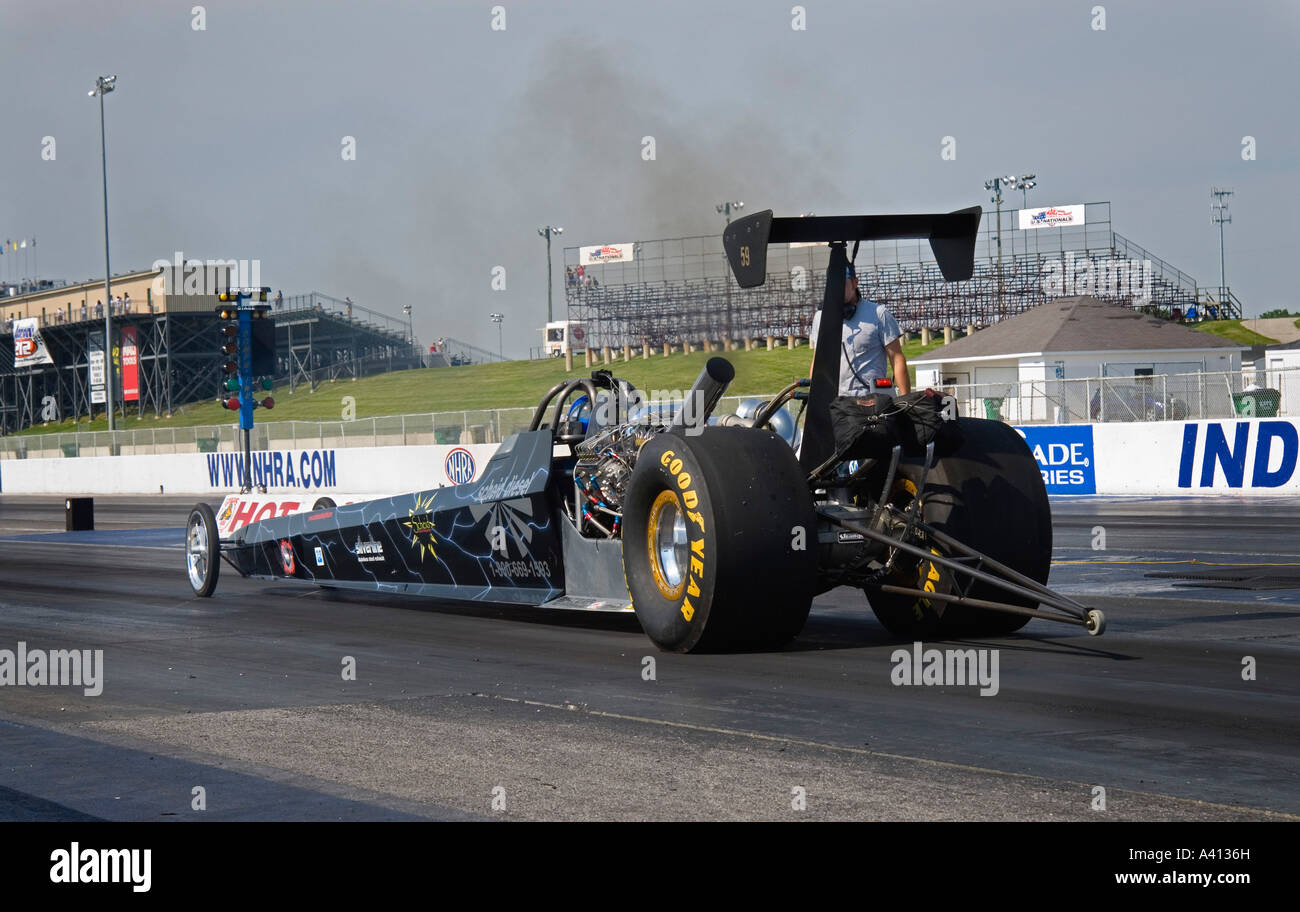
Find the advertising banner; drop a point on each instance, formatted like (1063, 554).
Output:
(1051, 217)
(606, 253)
(130, 364)
(29, 347)
(95, 368)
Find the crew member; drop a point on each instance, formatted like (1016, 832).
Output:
(871, 342)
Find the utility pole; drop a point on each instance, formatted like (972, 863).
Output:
(546, 231)
(1219, 214)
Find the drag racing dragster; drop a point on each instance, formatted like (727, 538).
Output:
(714, 530)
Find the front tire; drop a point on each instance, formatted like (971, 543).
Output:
(990, 496)
(719, 541)
(202, 550)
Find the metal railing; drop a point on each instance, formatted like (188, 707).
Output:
(363, 316)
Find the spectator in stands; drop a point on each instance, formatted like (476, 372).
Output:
(99, 309)
(126, 302)
(568, 276)
(348, 302)
(83, 310)
(582, 274)
(279, 299)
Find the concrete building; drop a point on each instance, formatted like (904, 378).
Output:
(1021, 369)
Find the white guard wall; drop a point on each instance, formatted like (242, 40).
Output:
(354, 470)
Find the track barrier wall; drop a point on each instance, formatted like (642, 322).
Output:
(355, 470)
(1247, 456)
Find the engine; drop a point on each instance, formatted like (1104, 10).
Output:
(603, 470)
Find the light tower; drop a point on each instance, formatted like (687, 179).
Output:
(996, 184)
(104, 85)
(498, 319)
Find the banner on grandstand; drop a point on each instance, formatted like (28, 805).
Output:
(606, 253)
(1051, 217)
(130, 365)
(29, 347)
(95, 367)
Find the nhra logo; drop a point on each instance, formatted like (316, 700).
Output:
(459, 466)
(1064, 456)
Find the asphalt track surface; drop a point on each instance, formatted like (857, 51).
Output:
(242, 694)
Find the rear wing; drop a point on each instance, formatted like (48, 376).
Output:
(952, 239)
(951, 235)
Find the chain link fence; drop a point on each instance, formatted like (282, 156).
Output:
(471, 426)
(1161, 397)
(1164, 397)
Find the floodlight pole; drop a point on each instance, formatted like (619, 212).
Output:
(497, 319)
(104, 85)
(995, 184)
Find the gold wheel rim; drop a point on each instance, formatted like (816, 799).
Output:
(667, 545)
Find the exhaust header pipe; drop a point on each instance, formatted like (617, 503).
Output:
(702, 398)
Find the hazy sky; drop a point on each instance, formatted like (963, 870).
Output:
(226, 142)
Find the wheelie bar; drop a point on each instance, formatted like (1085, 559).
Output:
(1090, 619)
(944, 538)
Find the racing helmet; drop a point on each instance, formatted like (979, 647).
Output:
(579, 414)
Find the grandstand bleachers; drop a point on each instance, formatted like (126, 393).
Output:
(680, 290)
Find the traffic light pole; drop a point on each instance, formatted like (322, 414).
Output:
(244, 312)
(246, 390)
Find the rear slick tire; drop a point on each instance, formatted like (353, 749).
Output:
(989, 495)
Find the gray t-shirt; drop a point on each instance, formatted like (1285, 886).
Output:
(866, 334)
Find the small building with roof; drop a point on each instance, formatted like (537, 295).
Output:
(1022, 366)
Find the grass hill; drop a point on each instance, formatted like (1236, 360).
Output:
(515, 383)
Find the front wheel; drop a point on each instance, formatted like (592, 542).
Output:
(719, 541)
(202, 550)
